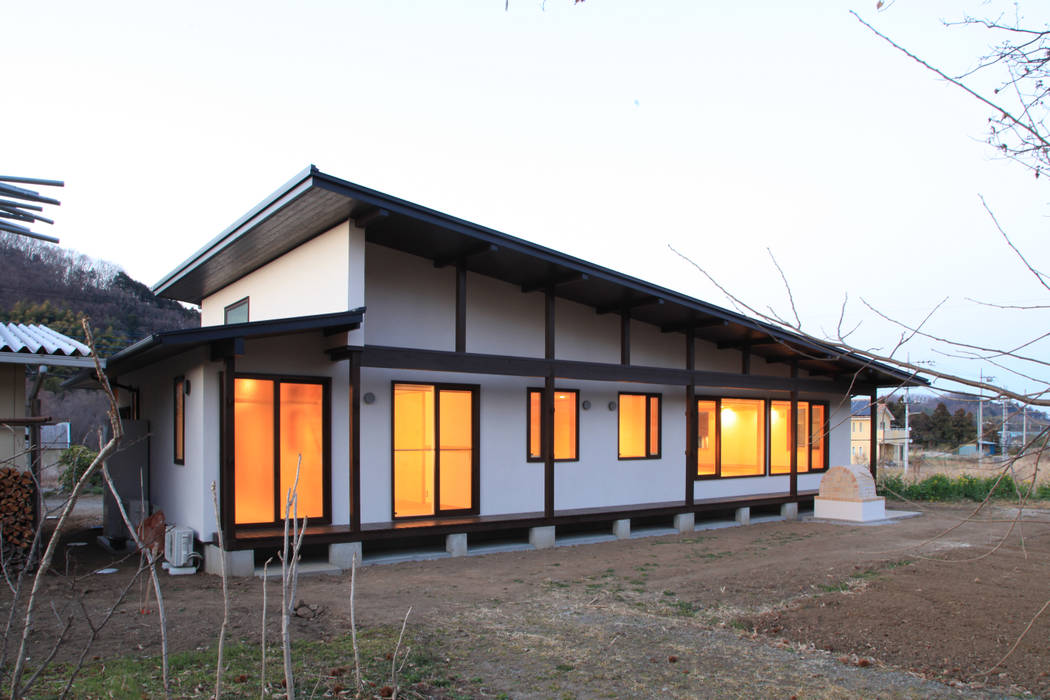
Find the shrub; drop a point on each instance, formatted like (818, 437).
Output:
(942, 488)
(75, 461)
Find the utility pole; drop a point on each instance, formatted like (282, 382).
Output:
(1002, 434)
(1024, 422)
(907, 428)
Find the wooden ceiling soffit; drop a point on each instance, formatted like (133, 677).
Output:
(628, 305)
(748, 344)
(554, 281)
(695, 325)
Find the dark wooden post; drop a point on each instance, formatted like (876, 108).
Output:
(625, 337)
(227, 449)
(794, 431)
(355, 441)
(690, 418)
(547, 409)
(461, 307)
(873, 445)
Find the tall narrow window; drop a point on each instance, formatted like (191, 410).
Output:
(179, 412)
(295, 412)
(237, 312)
(435, 449)
(706, 438)
(819, 437)
(566, 425)
(639, 426)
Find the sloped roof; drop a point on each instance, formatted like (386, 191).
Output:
(39, 340)
(313, 202)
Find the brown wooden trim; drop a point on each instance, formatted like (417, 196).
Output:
(648, 425)
(355, 441)
(26, 420)
(547, 441)
(690, 417)
(178, 432)
(475, 456)
(227, 450)
(461, 306)
(548, 325)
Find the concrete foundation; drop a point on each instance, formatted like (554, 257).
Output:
(859, 511)
(743, 515)
(622, 529)
(685, 522)
(342, 554)
(456, 544)
(240, 563)
(789, 511)
(542, 537)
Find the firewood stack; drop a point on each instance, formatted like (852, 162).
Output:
(17, 492)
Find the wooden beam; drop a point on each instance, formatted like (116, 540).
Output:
(745, 359)
(628, 305)
(551, 282)
(221, 349)
(227, 446)
(749, 343)
(466, 253)
(690, 420)
(548, 324)
(478, 363)
(355, 441)
(368, 216)
(547, 431)
(695, 325)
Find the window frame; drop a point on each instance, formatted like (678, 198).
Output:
(235, 306)
(475, 457)
(528, 425)
(326, 446)
(178, 432)
(648, 424)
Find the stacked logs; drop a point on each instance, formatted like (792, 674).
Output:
(17, 493)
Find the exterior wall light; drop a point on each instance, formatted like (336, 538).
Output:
(612, 405)
(369, 398)
(586, 405)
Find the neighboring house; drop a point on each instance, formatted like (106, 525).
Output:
(23, 346)
(988, 448)
(890, 441)
(441, 378)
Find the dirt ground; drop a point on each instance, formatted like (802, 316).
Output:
(778, 610)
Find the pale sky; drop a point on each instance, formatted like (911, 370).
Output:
(610, 130)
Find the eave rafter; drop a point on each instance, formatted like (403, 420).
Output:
(366, 216)
(465, 254)
(553, 281)
(620, 307)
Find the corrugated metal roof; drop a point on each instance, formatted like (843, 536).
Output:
(39, 340)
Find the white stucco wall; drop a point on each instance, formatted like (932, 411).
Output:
(316, 277)
(600, 478)
(501, 320)
(651, 348)
(581, 334)
(410, 302)
(182, 491)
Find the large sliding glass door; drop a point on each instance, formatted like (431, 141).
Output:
(275, 422)
(434, 449)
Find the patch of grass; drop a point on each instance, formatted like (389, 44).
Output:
(326, 666)
(839, 587)
(564, 667)
(940, 487)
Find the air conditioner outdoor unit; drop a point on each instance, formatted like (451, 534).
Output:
(178, 546)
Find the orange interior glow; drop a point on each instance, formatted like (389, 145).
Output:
(743, 439)
(535, 407)
(780, 437)
(803, 437)
(413, 450)
(706, 439)
(654, 425)
(253, 451)
(632, 425)
(456, 443)
(302, 425)
(819, 437)
(565, 425)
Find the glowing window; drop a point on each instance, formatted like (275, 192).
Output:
(179, 413)
(639, 426)
(566, 422)
(434, 449)
(818, 437)
(742, 440)
(706, 438)
(264, 472)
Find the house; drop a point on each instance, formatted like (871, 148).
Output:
(890, 441)
(24, 346)
(438, 378)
